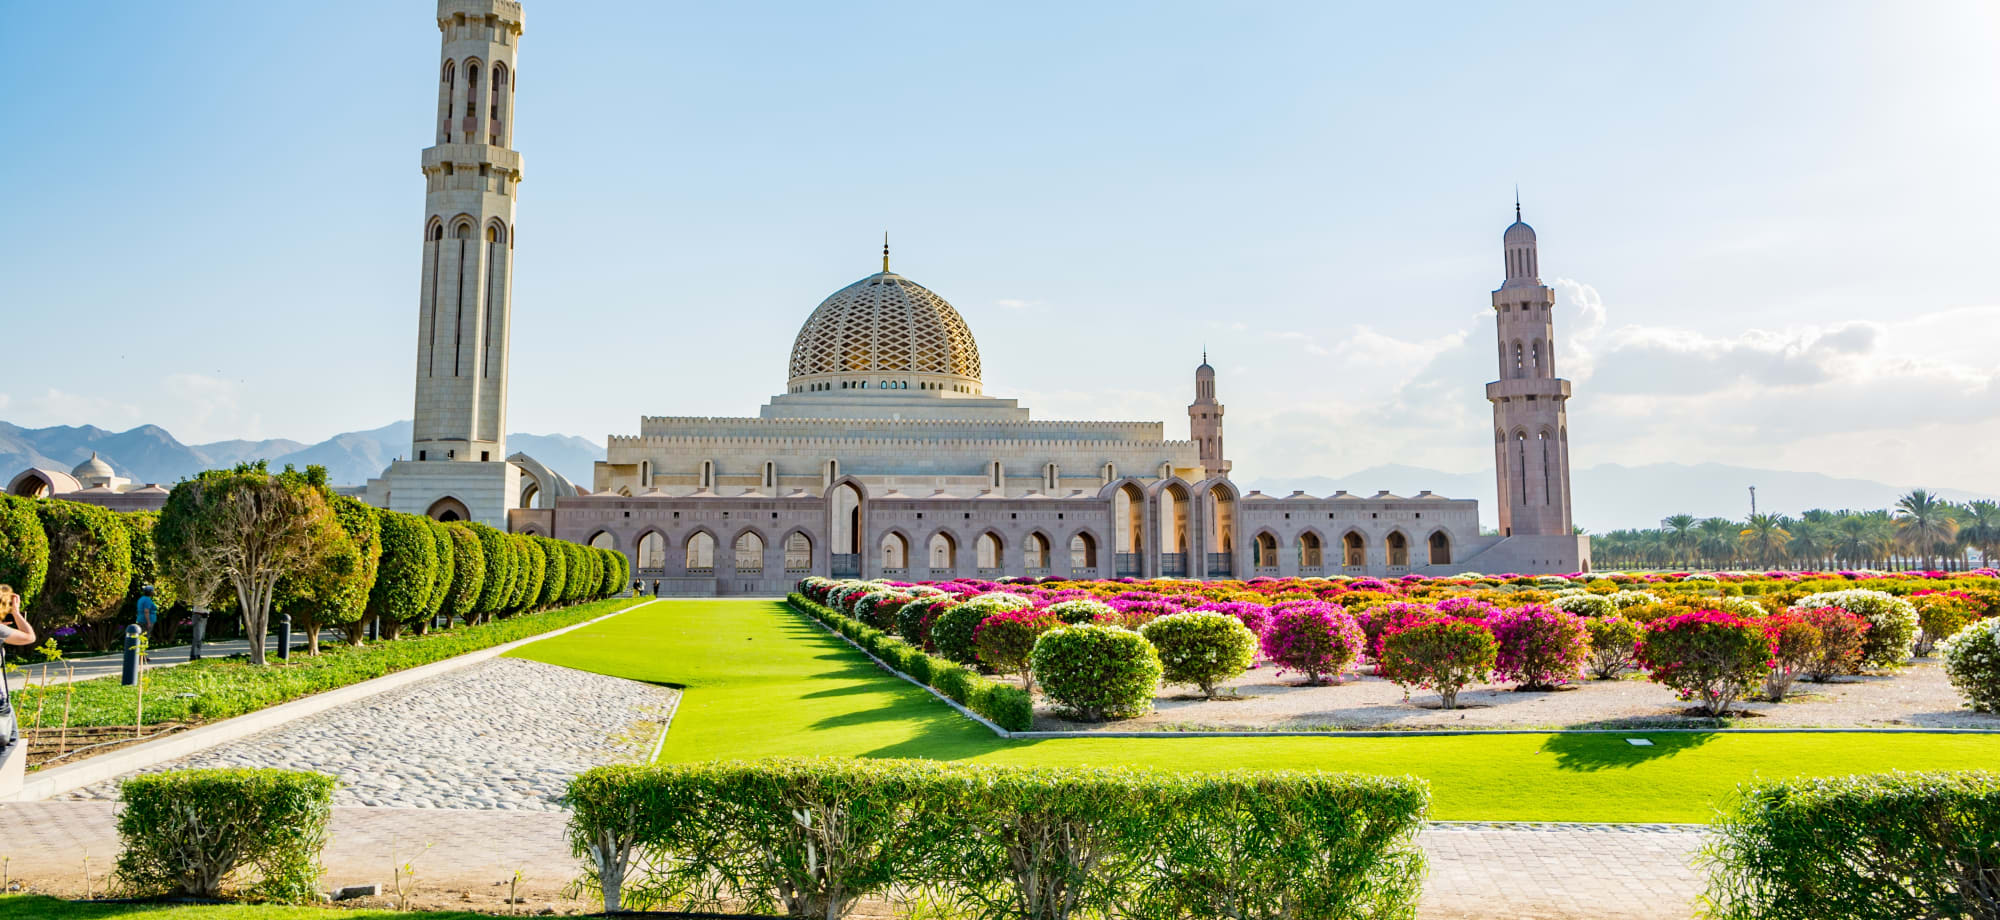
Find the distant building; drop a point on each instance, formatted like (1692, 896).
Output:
(92, 482)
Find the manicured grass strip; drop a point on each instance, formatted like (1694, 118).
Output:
(36, 907)
(764, 681)
(218, 688)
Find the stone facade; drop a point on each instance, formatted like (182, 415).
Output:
(92, 482)
(1530, 403)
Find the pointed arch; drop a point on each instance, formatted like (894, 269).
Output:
(894, 551)
(698, 552)
(652, 549)
(1035, 552)
(1082, 553)
(992, 552)
(1312, 551)
(1396, 549)
(1440, 547)
(1172, 501)
(941, 552)
(448, 508)
(1353, 549)
(1265, 550)
(749, 550)
(798, 546)
(603, 539)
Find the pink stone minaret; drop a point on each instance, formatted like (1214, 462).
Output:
(1530, 415)
(1205, 421)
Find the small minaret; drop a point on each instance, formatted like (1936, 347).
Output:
(1530, 414)
(1205, 421)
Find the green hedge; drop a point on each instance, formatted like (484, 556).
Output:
(1008, 706)
(1894, 845)
(201, 832)
(808, 838)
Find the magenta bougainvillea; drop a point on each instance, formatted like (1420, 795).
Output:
(1540, 647)
(1708, 656)
(1313, 638)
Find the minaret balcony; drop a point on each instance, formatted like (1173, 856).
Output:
(1520, 387)
(472, 155)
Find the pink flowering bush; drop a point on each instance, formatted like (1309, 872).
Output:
(1004, 640)
(1540, 647)
(1795, 643)
(1843, 642)
(1709, 657)
(1438, 653)
(1314, 638)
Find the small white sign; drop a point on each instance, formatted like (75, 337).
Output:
(1639, 742)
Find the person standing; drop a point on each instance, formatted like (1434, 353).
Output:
(14, 630)
(149, 611)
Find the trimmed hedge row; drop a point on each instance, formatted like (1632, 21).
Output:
(1009, 707)
(810, 837)
(1859, 848)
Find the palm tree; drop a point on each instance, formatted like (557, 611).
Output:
(1980, 530)
(1680, 536)
(1923, 521)
(1810, 542)
(1764, 537)
(1716, 541)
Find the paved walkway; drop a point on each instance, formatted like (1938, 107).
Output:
(1518, 872)
(111, 665)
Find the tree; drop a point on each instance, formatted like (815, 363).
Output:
(253, 526)
(24, 548)
(1764, 537)
(500, 563)
(1923, 523)
(533, 565)
(146, 571)
(555, 576)
(1980, 530)
(90, 568)
(408, 575)
(1718, 541)
(333, 590)
(468, 580)
(1680, 537)
(446, 573)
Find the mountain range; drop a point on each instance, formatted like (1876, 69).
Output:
(1608, 496)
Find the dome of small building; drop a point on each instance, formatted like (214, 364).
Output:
(1518, 232)
(92, 468)
(884, 324)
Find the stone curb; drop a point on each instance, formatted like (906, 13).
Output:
(57, 780)
(927, 688)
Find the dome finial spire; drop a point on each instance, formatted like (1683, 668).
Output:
(1517, 201)
(885, 250)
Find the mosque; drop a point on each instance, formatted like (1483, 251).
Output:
(883, 455)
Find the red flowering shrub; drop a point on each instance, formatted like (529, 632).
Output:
(1540, 647)
(1314, 638)
(1709, 656)
(1843, 642)
(1439, 653)
(1795, 645)
(1004, 640)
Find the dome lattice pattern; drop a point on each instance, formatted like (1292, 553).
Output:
(885, 323)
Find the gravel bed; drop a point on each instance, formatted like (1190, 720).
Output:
(1919, 696)
(501, 734)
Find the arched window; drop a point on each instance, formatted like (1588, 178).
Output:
(645, 474)
(798, 553)
(828, 473)
(700, 553)
(1521, 461)
(1440, 549)
(1399, 549)
(1267, 551)
(1082, 553)
(1110, 472)
(943, 553)
(1520, 366)
(988, 546)
(653, 551)
(769, 479)
(1354, 550)
(471, 88)
(603, 540)
(1051, 478)
(708, 474)
(1035, 552)
(1546, 491)
(993, 476)
(895, 552)
(1311, 554)
(749, 553)
(1537, 351)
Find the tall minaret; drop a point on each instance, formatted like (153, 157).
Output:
(1205, 421)
(471, 177)
(1530, 415)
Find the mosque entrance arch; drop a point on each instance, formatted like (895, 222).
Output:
(1174, 501)
(448, 509)
(1128, 538)
(843, 503)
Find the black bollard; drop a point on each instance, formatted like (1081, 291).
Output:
(200, 632)
(285, 637)
(130, 675)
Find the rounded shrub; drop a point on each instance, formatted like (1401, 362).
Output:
(1314, 638)
(1624, 599)
(1081, 610)
(913, 620)
(1097, 672)
(1539, 647)
(1795, 645)
(24, 548)
(952, 632)
(1941, 614)
(1613, 640)
(1201, 647)
(1586, 605)
(877, 607)
(1710, 657)
(1892, 623)
(1439, 653)
(1972, 661)
(1843, 637)
(1004, 640)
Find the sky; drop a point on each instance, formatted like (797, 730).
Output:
(1768, 223)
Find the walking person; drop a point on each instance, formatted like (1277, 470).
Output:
(14, 630)
(149, 612)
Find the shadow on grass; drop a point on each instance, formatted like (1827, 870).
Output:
(37, 907)
(1586, 753)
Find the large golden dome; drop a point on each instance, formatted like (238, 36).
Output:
(889, 327)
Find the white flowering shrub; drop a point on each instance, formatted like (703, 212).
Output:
(1624, 599)
(1701, 576)
(1972, 660)
(1892, 623)
(1553, 581)
(1741, 606)
(1586, 605)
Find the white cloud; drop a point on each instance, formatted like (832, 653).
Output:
(1015, 303)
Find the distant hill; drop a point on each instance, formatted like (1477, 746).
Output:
(1612, 497)
(149, 453)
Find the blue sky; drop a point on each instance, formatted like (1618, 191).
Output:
(1769, 224)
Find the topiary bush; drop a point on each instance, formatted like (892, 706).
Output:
(913, 620)
(1843, 639)
(1004, 640)
(1441, 653)
(1892, 623)
(953, 631)
(1539, 647)
(1710, 657)
(1201, 648)
(1586, 605)
(1081, 610)
(1314, 638)
(206, 833)
(1613, 642)
(1899, 845)
(1097, 672)
(24, 549)
(1972, 661)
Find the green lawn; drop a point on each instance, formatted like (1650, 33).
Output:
(35, 907)
(763, 680)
